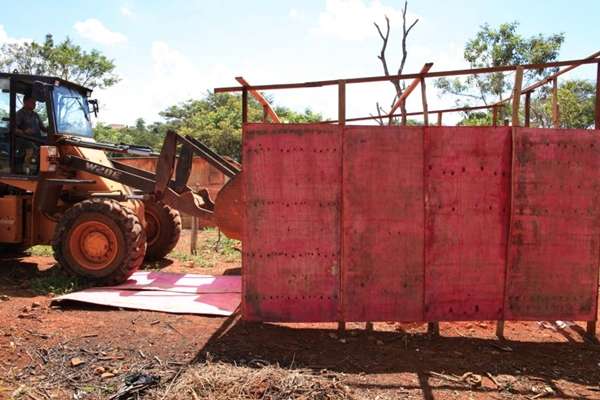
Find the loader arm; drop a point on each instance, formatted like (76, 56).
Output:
(169, 182)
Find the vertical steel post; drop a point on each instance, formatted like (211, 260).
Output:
(494, 115)
(244, 105)
(516, 100)
(597, 117)
(342, 102)
(424, 100)
(527, 108)
(194, 238)
(555, 118)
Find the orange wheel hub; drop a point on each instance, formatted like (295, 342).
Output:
(93, 245)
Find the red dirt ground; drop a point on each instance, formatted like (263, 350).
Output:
(38, 343)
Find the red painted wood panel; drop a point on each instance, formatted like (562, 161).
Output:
(292, 197)
(555, 228)
(467, 173)
(383, 224)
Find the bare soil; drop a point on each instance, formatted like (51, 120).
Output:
(87, 352)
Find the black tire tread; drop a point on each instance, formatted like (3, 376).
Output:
(172, 217)
(135, 237)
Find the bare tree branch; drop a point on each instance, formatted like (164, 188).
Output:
(382, 57)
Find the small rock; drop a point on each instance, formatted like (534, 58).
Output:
(4, 297)
(107, 375)
(380, 342)
(333, 335)
(342, 340)
(99, 370)
(76, 361)
(35, 304)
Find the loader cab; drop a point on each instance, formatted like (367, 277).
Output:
(62, 107)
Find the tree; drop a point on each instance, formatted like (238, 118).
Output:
(576, 104)
(494, 47)
(65, 60)
(216, 120)
(398, 88)
(141, 134)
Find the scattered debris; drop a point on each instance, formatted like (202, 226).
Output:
(76, 361)
(134, 384)
(469, 378)
(4, 297)
(501, 347)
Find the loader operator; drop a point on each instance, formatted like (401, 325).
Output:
(28, 124)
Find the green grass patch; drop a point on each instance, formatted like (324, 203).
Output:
(212, 249)
(55, 281)
(41, 251)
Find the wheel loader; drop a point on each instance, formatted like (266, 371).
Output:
(102, 218)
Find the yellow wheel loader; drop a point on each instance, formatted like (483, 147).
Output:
(102, 218)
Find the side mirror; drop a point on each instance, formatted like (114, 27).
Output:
(95, 106)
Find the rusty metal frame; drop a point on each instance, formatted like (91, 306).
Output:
(420, 78)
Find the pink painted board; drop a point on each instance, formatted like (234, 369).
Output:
(292, 198)
(467, 184)
(555, 225)
(220, 304)
(182, 283)
(383, 224)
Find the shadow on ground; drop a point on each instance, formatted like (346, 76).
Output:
(362, 352)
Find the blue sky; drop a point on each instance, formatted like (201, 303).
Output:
(169, 51)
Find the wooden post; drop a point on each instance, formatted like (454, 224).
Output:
(527, 108)
(500, 329)
(555, 118)
(342, 102)
(194, 238)
(424, 100)
(433, 328)
(244, 105)
(597, 119)
(591, 326)
(369, 327)
(439, 119)
(495, 115)
(265, 114)
(516, 100)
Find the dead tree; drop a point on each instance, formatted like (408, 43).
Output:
(382, 57)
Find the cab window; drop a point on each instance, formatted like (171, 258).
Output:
(4, 125)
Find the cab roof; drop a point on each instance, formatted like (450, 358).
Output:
(52, 80)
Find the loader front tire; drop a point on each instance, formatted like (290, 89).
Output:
(163, 229)
(100, 239)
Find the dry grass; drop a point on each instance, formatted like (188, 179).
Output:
(223, 381)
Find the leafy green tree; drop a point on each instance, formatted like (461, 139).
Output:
(576, 104)
(216, 120)
(65, 60)
(141, 134)
(494, 47)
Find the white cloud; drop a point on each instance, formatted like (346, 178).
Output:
(95, 31)
(126, 11)
(353, 19)
(171, 79)
(295, 14)
(6, 39)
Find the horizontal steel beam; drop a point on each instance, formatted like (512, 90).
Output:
(435, 74)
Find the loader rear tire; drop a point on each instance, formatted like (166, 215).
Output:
(163, 229)
(100, 239)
